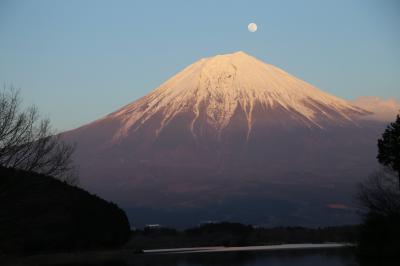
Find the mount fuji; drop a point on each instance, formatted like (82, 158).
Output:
(230, 138)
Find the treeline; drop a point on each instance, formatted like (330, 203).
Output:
(236, 234)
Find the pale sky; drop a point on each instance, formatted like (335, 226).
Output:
(79, 60)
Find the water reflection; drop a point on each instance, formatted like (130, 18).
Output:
(248, 258)
(330, 257)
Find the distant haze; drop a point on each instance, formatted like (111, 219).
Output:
(382, 109)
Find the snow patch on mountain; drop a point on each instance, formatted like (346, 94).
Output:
(224, 83)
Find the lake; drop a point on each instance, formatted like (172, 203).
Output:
(302, 257)
(336, 257)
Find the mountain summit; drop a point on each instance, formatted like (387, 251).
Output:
(213, 89)
(230, 138)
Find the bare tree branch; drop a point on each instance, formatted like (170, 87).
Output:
(28, 142)
(379, 194)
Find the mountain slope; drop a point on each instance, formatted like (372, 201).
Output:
(229, 131)
(218, 86)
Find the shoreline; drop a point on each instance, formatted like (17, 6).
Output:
(129, 256)
(247, 248)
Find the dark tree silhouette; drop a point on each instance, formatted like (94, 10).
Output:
(379, 197)
(389, 147)
(27, 142)
(379, 194)
(379, 235)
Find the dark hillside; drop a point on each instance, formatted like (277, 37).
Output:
(42, 214)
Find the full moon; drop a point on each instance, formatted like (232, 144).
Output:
(252, 27)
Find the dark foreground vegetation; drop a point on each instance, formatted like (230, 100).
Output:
(236, 234)
(40, 209)
(42, 214)
(379, 197)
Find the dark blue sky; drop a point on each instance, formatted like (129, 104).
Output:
(79, 60)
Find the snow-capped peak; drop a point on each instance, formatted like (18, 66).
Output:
(219, 85)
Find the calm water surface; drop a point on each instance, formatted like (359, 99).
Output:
(328, 257)
(331, 257)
